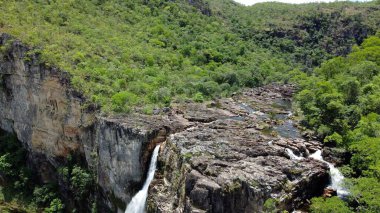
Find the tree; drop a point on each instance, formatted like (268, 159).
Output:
(366, 191)
(366, 155)
(80, 181)
(43, 195)
(270, 206)
(365, 71)
(56, 206)
(329, 205)
(5, 166)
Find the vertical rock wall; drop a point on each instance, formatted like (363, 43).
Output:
(48, 117)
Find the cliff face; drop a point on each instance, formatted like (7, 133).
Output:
(119, 151)
(37, 104)
(48, 117)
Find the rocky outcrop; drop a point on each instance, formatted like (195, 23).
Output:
(226, 163)
(119, 150)
(202, 6)
(336, 156)
(38, 104)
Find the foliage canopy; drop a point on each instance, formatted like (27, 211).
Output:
(128, 54)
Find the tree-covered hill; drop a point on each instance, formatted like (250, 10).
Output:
(127, 54)
(308, 33)
(341, 103)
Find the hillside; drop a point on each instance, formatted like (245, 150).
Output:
(123, 54)
(306, 33)
(341, 104)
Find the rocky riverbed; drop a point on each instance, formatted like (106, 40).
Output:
(232, 157)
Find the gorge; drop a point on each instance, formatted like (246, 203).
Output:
(194, 171)
(189, 106)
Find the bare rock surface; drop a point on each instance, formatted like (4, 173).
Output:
(236, 159)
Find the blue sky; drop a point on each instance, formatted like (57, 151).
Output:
(251, 2)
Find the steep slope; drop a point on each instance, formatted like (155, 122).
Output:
(60, 132)
(149, 53)
(133, 52)
(307, 33)
(341, 104)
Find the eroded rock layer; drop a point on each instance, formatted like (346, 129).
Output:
(38, 104)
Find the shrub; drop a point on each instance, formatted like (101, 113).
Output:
(366, 191)
(198, 97)
(122, 100)
(329, 205)
(56, 206)
(270, 206)
(43, 195)
(80, 181)
(5, 166)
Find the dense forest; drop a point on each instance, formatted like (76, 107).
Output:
(340, 101)
(127, 55)
(139, 55)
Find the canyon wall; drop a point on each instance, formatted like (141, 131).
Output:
(39, 106)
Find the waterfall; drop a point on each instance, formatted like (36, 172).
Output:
(292, 155)
(137, 204)
(336, 175)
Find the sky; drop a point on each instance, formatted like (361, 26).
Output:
(251, 2)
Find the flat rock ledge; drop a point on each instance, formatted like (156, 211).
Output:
(231, 156)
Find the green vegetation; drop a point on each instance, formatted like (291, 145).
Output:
(341, 103)
(81, 184)
(309, 33)
(329, 205)
(270, 206)
(21, 191)
(80, 181)
(56, 206)
(124, 55)
(128, 53)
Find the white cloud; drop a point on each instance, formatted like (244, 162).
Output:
(251, 2)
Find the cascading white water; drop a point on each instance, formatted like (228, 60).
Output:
(292, 155)
(336, 175)
(137, 204)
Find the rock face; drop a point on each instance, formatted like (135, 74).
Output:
(34, 104)
(119, 150)
(37, 104)
(48, 117)
(227, 162)
(223, 156)
(336, 156)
